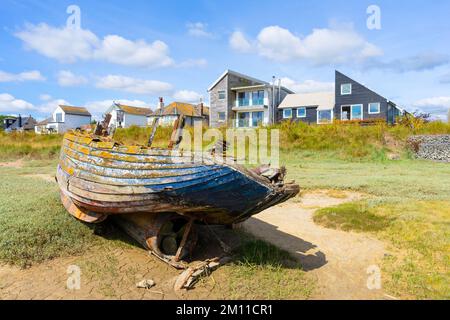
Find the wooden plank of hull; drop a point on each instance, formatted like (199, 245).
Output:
(134, 173)
(108, 163)
(80, 213)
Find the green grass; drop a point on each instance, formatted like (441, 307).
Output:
(34, 226)
(418, 234)
(262, 271)
(28, 145)
(396, 180)
(351, 216)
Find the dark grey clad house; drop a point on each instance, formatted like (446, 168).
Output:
(354, 101)
(239, 100)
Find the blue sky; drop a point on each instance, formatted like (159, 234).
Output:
(136, 51)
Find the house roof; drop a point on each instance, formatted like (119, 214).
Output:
(321, 100)
(134, 110)
(28, 123)
(184, 108)
(228, 71)
(44, 122)
(79, 111)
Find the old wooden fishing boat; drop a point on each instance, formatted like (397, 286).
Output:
(157, 194)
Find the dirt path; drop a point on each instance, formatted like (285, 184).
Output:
(337, 259)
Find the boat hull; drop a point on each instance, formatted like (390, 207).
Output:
(98, 178)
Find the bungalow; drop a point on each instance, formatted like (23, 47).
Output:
(64, 118)
(355, 101)
(192, 113)
(123, 116)
(242, 101)
(310, 108)
(22, 124)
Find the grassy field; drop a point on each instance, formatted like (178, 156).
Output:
(35, 227)
(408, 207)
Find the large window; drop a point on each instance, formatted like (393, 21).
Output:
(357, 112)
(324, 116)
(374, 108)
(346, 89)
(287, 113)
(301, 113)
(257, 118)
(243, 119)
(243, 99)
(258, 98)
(222, 95)
(58, 117)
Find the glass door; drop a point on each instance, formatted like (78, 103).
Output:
(357, 112)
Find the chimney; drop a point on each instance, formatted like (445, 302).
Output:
(161, 103)
(20, 121)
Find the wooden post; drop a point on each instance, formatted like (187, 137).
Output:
(183, 240)
(152, 135)
(176, 136)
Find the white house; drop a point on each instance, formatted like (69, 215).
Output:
(64, 118)
(123, 116)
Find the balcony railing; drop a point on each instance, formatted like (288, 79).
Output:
(243, 102)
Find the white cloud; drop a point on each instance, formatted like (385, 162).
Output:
(339, 44)
(307, 86)
(187, 96)
(193, 63)
(116, 49)
(68, 79)
(199, 29)
(45, 97)
(239, 42)
(9, 103)
(69, 45)
(49, 106)
(134, 85)
(437, 106)
(33, 75)
(63, 44)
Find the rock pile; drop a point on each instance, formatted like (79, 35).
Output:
(431, 147)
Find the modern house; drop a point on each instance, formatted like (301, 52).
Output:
(22, 124)
(124, 116)
(242, 101)
(351, 101)
(310, 108)
(355, 101)
(64, 118)
(192, 113)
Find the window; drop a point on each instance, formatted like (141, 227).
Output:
(58, 117)
(324, 116)
(301, 113)
(257, 118)
(243, 119)
(243, 99)
(287, 113)
(221, 116)
(346, 88)
(357, 112)
(374, 108)
(222, 95)
(258, 98)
